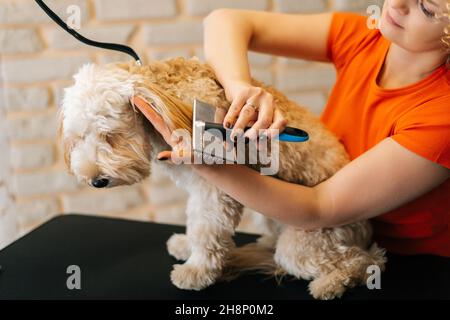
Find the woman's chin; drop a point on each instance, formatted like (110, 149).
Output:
(388, 31)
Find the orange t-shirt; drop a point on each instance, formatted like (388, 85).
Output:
(417, 116)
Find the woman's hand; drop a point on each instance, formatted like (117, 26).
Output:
(252, 106)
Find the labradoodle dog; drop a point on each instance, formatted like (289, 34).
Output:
(108, 143)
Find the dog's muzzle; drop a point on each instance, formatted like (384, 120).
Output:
(100, 183)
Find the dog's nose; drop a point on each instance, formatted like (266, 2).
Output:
(100, 183)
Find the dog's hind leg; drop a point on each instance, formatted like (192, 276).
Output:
(292, 254)
(351, 270)
(332, 266)
(211, 219)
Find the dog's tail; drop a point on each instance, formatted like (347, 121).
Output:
(378, 256)
(259, 258)
(253, 257)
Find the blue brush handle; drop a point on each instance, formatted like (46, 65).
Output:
(291, 134)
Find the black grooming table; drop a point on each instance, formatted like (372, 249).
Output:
(122, 259)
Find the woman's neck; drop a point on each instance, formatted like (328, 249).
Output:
(402, 68)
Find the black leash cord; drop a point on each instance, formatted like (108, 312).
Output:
(104, 45)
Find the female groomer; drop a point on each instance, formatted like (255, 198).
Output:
(390, 107)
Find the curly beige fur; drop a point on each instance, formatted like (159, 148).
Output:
(105, 137)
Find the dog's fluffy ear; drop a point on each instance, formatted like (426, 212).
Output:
(66, 142)
(175, 113)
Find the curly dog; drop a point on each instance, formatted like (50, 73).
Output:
(108, 143)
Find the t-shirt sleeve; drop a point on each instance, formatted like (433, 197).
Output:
(426, 131)
(346, 35)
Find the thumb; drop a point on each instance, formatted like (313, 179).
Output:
(164, 155)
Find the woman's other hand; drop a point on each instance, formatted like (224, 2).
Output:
(252, 107)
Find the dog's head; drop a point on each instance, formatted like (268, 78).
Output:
(103, 138)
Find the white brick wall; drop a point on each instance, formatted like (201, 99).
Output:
(177, 32)
(38, 60)
(354, 5)
(315, 76)
(43, 183)
(34, 70)
(27, 12)
(25, 99)
(308, 6)
(38, 126)
(19, 41)
(104, 201)
(32, 212)
(134, 9)
(9, 228)
(315, 100)
(203, 7)
(59, 39)
(27, 156)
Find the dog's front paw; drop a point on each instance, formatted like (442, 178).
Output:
(178, 246)
(324, 288)
(192, 277)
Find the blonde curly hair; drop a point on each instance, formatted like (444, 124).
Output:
(446, 37)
